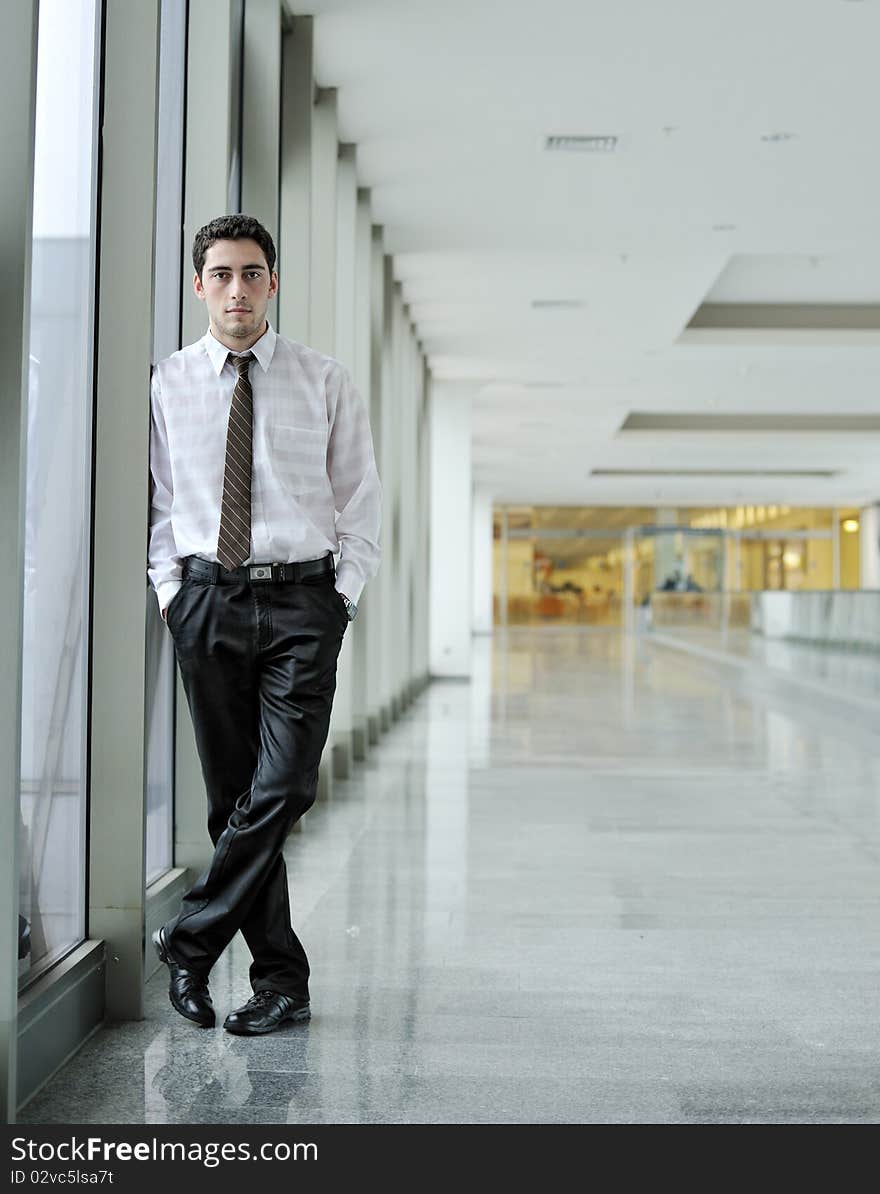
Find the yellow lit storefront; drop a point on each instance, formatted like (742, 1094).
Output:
(569, 564)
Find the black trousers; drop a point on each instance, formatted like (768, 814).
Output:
(258, 663)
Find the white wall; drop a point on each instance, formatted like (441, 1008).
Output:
(869, 548)
(481, 542)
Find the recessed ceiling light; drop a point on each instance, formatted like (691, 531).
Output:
(559, 304)
(580, 144)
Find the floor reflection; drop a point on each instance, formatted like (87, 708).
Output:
(602, 882)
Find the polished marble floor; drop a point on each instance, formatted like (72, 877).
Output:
(603, 881)
(851, 676)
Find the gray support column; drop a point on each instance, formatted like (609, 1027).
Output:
(361, 678)
(401, 646)
(376, 601)
(295, 221)
(208, 154)
(869, 547)
(408, 507)
(451, 520)
(261, 118)
(341, 725)
(323, 266)
(393, 470)
(322, 280)
(121, 445)
(398, 659)
(18, 55)
(346, 233)
(418, 615)
(209, 94)
(422, 497)
(390, 540)
(412, 504)
(425, 494)
(419, 611)
(482, 560)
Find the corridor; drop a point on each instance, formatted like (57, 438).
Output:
(603, 881)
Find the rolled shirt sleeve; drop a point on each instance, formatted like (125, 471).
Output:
(165, 571)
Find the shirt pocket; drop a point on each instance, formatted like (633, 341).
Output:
(299, 456)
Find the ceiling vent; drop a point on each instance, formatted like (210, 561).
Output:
(763, 423)
(722, 473)
(581, 144)
(557, 304)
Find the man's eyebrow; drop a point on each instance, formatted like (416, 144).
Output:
(213, 268)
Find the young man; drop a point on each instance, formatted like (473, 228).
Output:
(262, 471)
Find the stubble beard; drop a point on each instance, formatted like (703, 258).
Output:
(240, 329)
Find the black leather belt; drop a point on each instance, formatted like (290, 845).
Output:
(216, 574)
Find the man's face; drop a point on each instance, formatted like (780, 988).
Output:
(236, 285)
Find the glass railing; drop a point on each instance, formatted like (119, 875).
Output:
(848, 618)
(845, 618)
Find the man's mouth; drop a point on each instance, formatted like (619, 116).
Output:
(239, 311)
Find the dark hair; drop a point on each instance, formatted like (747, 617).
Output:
(236, 227)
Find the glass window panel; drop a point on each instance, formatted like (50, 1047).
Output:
(58, 485)
(166, 339)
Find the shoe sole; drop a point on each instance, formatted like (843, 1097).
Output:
(164, 957)
(296, 1017)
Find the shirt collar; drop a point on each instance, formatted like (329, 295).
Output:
(263, 350)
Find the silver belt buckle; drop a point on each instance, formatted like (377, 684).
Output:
(259, 572)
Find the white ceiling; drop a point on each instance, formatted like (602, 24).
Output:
(448, 102)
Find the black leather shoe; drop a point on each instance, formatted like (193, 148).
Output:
(187, 990)
(264, 1012)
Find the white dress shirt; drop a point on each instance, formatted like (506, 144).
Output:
(314, 485)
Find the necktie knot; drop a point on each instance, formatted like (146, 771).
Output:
(241, 363)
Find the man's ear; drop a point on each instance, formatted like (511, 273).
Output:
(273, 284)
(198, 288)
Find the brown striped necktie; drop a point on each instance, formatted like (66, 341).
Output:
(234, 540)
